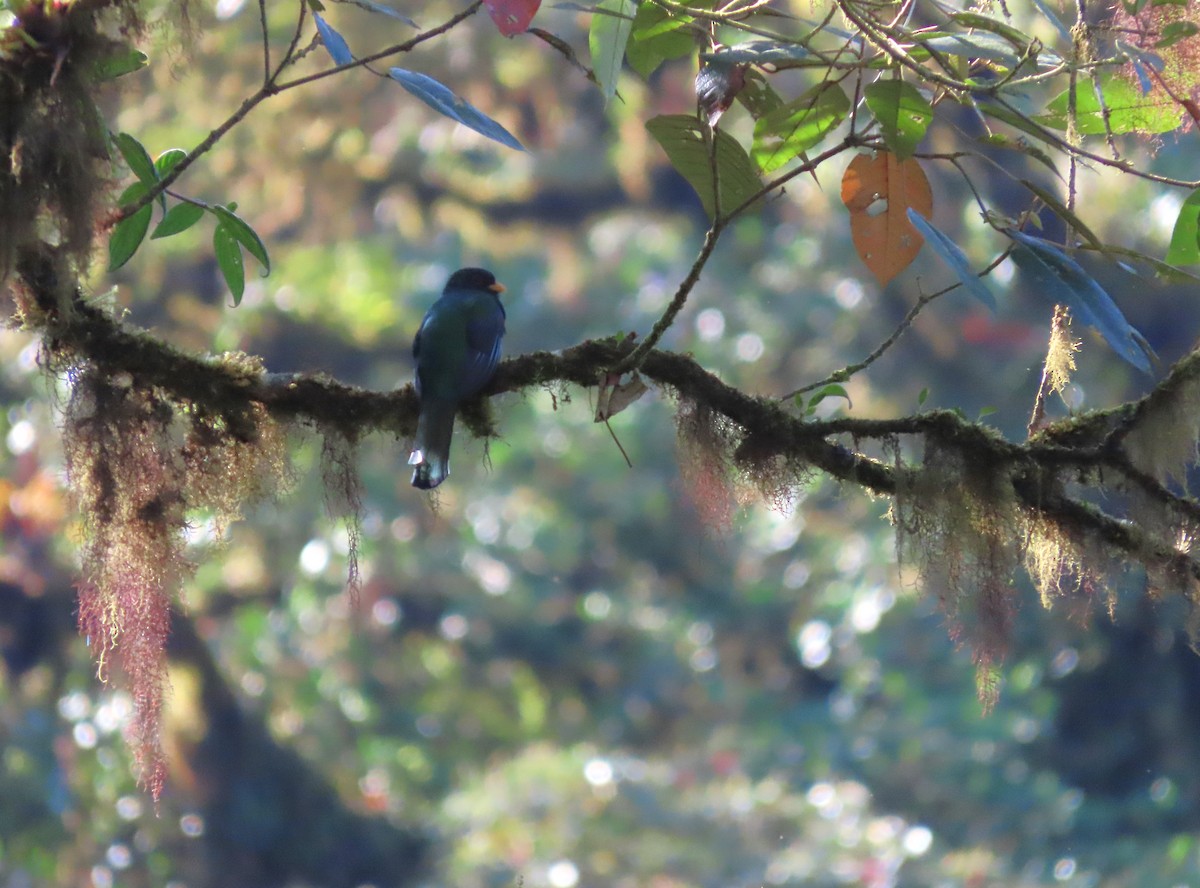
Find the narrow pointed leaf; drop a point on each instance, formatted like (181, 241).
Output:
(241, 231)
(179, 218)
(763, 52)
(999, 140)
(682, 138)
(229, 260)
(137, 157)
(440, 98)
(1060, 279)
(384, 9)
(949, 252)
(335, 43)
(903, 114)
(129, 233)
(607, 38)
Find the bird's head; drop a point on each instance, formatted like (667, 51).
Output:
(474, 279)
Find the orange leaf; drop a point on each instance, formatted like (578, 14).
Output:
(878, 190)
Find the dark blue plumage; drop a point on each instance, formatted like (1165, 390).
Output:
(456, 351)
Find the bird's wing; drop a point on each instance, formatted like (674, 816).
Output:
(484, 333)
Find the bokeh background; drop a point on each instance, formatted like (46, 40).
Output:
(562, 670)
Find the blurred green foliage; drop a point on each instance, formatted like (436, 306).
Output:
(554, 673)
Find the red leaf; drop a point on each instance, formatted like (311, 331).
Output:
(512, 16)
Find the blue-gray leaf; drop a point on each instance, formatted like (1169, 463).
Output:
(334, 42)
(1061, 279)
(386, 10)
(949, 253)
(439, 97)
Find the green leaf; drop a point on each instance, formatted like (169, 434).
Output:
(168, 160)
(229, 260)
(607, 39)
(179, 218)
(1185, 236)
(985, 411)
(797, 126)
(1060, 209)
(1176, 31)
(1015, 36)
(922, 397)
(903, 113)
(241, 231)
(657, 36)
(125, 60)
(833, 390)
(129, 233)
(137, 157)
(1128, 110)
(682, 138)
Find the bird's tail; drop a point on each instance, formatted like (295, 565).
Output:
(431, 448)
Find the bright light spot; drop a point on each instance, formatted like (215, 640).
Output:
(119, 856)
(749, 347)
(314, 557)
(1064, 662)
(796, 574)
(710, 324)
(493, 576)
(385, 612)
(404, 529)
(562, 874)
(597, 605)
(555, 442)
(1162, 790)
(700, 632)
(353, 705)
(129, 807)
(703, 659)
(191, 825)
(114, 713)
(21, 437)
(454, 627)
(652, 295)
(227, 9)
(1025, 729)
(85, 735)
(598, 772)
(813, 643)
(917, 840)
(74, 706)
(865, 613)
(101, 877)
(1163, 211)
(821, 795)
(1003, 273)
(848, 293)
(1064, 868)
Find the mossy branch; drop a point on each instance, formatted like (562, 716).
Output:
(234, 387)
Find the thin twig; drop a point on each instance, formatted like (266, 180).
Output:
(849, 370)
(273, 88)
(262, 19)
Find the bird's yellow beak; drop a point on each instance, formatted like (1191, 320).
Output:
(497, 288)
